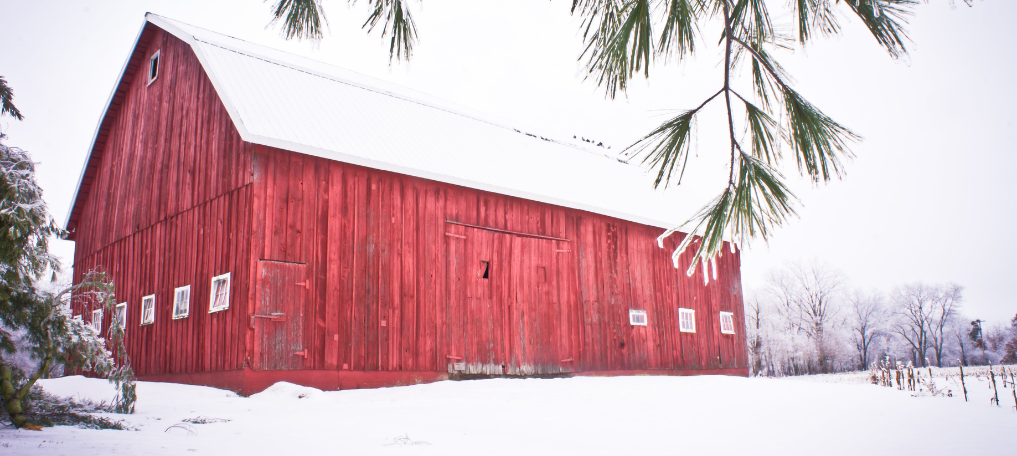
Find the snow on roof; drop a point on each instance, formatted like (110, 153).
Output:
(293, 103)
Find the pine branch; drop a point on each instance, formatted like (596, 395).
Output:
(668, 144)
(301, 19)
(621, 45)
(818, 141)
(886, 20)
(678, 37)
(397, 19)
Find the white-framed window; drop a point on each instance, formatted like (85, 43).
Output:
(686, 320)
(148, 310)
(181, 302)
(220, 297)
(97, 320)
(727, 323)
(120, 313)
(637, 317)
(153, 66)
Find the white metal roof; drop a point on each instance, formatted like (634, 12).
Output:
(298, 104)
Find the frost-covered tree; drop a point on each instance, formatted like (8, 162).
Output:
(39, 319)
(54, 337)
(957, 337)
(765, 120)
(754, 333)
(1010, 349)
(922, 312)
(807, 295)
(867, 321)
(945, 304)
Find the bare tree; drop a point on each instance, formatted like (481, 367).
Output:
(806, 296)
(945, 303)
(753, 322)
(962, 339)
(922, 313)
(995, 337)
(913, 306)
(867, 321)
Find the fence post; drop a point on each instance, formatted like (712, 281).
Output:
(995, 393)
(963, 386)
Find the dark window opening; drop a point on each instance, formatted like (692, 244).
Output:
(153, 67)
(484, 266)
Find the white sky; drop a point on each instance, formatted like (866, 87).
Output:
(929, 196)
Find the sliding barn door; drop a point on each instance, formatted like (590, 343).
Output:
(278, 320)
(539, 331)
(505, 312)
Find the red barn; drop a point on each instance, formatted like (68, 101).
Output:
(267, 217)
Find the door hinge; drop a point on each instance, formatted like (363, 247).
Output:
(301, 353)
(276, 317)
(305, 284)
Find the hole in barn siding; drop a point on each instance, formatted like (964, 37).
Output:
(621, 345)
(484, 266)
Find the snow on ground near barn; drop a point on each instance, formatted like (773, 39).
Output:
(833, 415)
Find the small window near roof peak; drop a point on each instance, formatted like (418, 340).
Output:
(153, 66)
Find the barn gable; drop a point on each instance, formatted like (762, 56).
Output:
(319, 248)
(167, 183)
(293, 103)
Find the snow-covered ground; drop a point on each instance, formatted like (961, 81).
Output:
(829, 415)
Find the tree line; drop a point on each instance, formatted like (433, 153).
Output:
(807, 320)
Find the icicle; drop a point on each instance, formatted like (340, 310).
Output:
(681, 249)
(660, 239)
(692, 266)
(706, 272)
(713, 262)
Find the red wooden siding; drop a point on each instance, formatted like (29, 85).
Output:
(395, 286)
(169, 206)
(368, 271)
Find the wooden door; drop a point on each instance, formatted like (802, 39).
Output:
(476, 315)
(504, 309)
(538, 323)
(278, 320)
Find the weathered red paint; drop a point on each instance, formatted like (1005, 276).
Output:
(391, 268)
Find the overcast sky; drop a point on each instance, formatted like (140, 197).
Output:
(929, 196)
